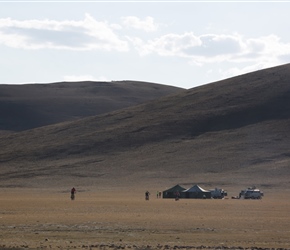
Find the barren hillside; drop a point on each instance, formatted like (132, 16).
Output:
(229, 133)
(29, 106)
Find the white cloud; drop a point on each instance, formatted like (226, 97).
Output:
(87, 34)
(215, 48)
(167, 45)
(191, 46)
(147, 25)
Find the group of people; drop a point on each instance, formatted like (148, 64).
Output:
(147, 194)
(158, 194)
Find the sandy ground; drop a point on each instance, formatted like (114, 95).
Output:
(42, 219)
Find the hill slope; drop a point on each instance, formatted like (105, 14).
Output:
(29, 106)
(229, 133)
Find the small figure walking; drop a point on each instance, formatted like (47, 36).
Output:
(72, 193)
(147, 195)
(177, 195)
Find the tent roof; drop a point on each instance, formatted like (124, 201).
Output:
(175, 188)
(196, 188)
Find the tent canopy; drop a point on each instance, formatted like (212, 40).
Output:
(171, 192)
(196, 192)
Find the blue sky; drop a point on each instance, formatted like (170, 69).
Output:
(184, 44)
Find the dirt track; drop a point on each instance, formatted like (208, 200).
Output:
(106, 220)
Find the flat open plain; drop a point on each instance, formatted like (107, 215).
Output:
(48, 219)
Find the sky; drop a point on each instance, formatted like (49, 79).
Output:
(178, 43)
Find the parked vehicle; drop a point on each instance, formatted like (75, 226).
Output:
(251, 193)
(218, 193)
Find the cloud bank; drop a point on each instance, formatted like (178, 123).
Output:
(89, 34)
(210, 48)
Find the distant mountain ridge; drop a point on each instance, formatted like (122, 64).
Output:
(29, 106)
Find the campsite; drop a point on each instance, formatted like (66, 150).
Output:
(228, 135)
(197, 192)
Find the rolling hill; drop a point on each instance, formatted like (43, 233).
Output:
(29, 106)
(230, 133)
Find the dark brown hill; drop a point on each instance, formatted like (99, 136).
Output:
(233, 132)
(29, 106)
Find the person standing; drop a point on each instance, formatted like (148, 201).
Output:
(72, 193)
(177, 195)
(147, 195)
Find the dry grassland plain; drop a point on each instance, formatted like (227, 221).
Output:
(42, 219)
